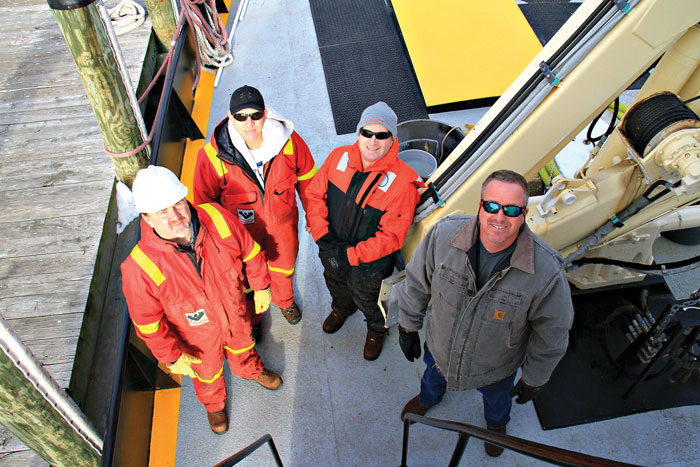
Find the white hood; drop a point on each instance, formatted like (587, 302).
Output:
(276, 131)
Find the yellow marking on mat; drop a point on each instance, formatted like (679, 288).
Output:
(463, 50)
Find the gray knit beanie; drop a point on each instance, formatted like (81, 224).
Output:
(379, 113)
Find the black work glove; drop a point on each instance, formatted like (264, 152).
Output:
(410, 343)
(524, 392)
(336, 259)
(327, 242)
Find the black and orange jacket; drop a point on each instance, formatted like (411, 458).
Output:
(370, 211)
(179, 306)
(222, 175)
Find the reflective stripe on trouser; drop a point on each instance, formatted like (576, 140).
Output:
(281, 248)
(359, 290)
(243, 361)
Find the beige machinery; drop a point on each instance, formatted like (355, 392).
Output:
(640, 181)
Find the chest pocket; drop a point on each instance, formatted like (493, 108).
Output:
(452, 287)
(282, 200)
(503, 307)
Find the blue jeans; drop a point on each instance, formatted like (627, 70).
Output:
(497, 402)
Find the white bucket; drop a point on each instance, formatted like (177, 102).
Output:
(421, 161)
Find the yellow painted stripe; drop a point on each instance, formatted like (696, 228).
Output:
(148, 328)
(283, 271)
(166, 407)
(289, 148)
(221, 170)
(219, 221)
(216, 376)
(308, 174)
(147, 265)
(200, 114)
(239, 351)
(253, 252)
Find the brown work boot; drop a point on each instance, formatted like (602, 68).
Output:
(333, 322)
(414, 406)
(218, 421)
(491, 449)
(373, 346)
(269, 379)
(292, 313)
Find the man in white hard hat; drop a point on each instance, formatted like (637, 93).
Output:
(183, 283)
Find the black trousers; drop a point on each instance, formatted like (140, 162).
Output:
(359, 288)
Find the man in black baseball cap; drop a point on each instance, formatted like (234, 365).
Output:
(252, 165)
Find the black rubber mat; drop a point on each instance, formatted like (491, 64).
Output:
(588, 385)
(364, 61)
(546, 18)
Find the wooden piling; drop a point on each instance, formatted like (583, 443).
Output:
(31, 405)
(163, 21)
(97, 57)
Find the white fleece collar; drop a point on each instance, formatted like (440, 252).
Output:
(276, 131)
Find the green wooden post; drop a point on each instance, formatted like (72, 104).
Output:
(90, 39)
(163, 21)
(34, 408)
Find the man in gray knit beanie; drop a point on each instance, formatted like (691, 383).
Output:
(361, 205)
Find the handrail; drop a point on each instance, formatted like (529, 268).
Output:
(248, 450)
(543, 452)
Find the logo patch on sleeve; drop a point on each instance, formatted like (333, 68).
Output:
(197, 318)
(246, 216)
(499, 315)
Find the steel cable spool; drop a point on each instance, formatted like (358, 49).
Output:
(649, 121)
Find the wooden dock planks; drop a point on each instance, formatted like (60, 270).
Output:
(55, 188)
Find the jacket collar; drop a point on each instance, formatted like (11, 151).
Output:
(523, 256)
(382, 165)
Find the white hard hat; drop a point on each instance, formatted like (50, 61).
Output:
(156, 188)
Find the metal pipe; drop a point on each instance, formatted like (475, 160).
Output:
(36, 410)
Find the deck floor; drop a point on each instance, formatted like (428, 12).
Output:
(335, 408)
(55, 188)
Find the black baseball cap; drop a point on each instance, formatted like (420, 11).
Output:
(246, 97)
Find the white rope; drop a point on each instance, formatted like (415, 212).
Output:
(211, 54)
(126, 16)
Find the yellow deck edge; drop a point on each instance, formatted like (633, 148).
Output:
(166, 410)
(200, 115)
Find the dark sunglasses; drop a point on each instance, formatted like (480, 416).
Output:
(255, 116)
(510, 211)
(379, 134)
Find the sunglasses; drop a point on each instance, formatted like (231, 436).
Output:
(379, 134)
(510, 211)
(255, 116)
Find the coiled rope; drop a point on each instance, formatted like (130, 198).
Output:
(126, 16)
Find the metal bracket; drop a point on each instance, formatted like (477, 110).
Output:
(435, 195)
(623, 6)
(549, 74)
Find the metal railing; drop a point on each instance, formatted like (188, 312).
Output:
(248, 450)
(543, 452)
